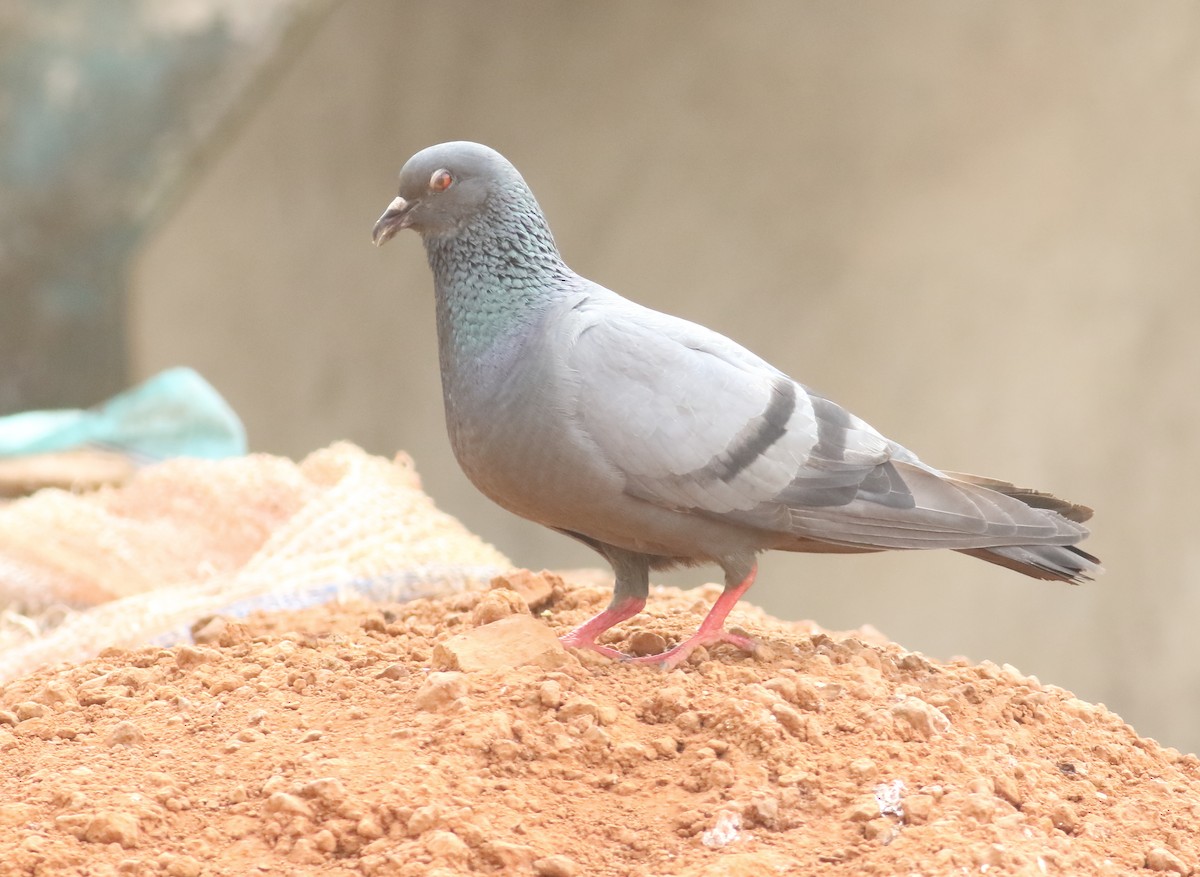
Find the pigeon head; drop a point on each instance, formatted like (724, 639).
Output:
(444, 187)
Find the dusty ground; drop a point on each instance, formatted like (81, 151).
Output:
(341, 741)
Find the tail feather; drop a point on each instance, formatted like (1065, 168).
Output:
(1033, 498)
(1028, 531)
(1063, 563)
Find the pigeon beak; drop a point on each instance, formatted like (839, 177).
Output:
(396, 217)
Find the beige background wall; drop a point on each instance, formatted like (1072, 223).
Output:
(975, 224)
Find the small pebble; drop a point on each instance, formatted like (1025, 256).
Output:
(646, 642)
(124, 734)
(557, 865)
(1159, 859)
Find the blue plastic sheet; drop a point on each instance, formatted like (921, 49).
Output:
(176, 413)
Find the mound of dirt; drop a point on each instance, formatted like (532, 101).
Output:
(454, 736)
(134, 564)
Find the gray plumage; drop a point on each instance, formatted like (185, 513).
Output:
(659, 442)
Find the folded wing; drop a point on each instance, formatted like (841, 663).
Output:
(696, 423)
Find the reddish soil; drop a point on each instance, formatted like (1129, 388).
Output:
(342, 741)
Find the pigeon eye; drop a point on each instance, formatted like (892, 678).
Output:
(440, 181)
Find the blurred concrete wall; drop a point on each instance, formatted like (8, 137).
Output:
(975, 224)
(103, 107)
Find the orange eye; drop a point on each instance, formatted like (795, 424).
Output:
(440, 181)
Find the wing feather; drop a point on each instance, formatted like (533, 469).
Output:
(696, 423)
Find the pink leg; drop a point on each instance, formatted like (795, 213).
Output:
(712, 630)
(584, 636)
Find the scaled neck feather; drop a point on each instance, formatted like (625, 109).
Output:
(494, 274)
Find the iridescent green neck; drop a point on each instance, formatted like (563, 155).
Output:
(494, 275)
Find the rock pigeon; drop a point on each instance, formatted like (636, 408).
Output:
(658, 442)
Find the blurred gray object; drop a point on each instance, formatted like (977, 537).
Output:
(104, 110)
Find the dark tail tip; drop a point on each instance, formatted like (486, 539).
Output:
(1062, 563)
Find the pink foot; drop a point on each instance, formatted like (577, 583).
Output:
(712, 629)
(584, 636)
